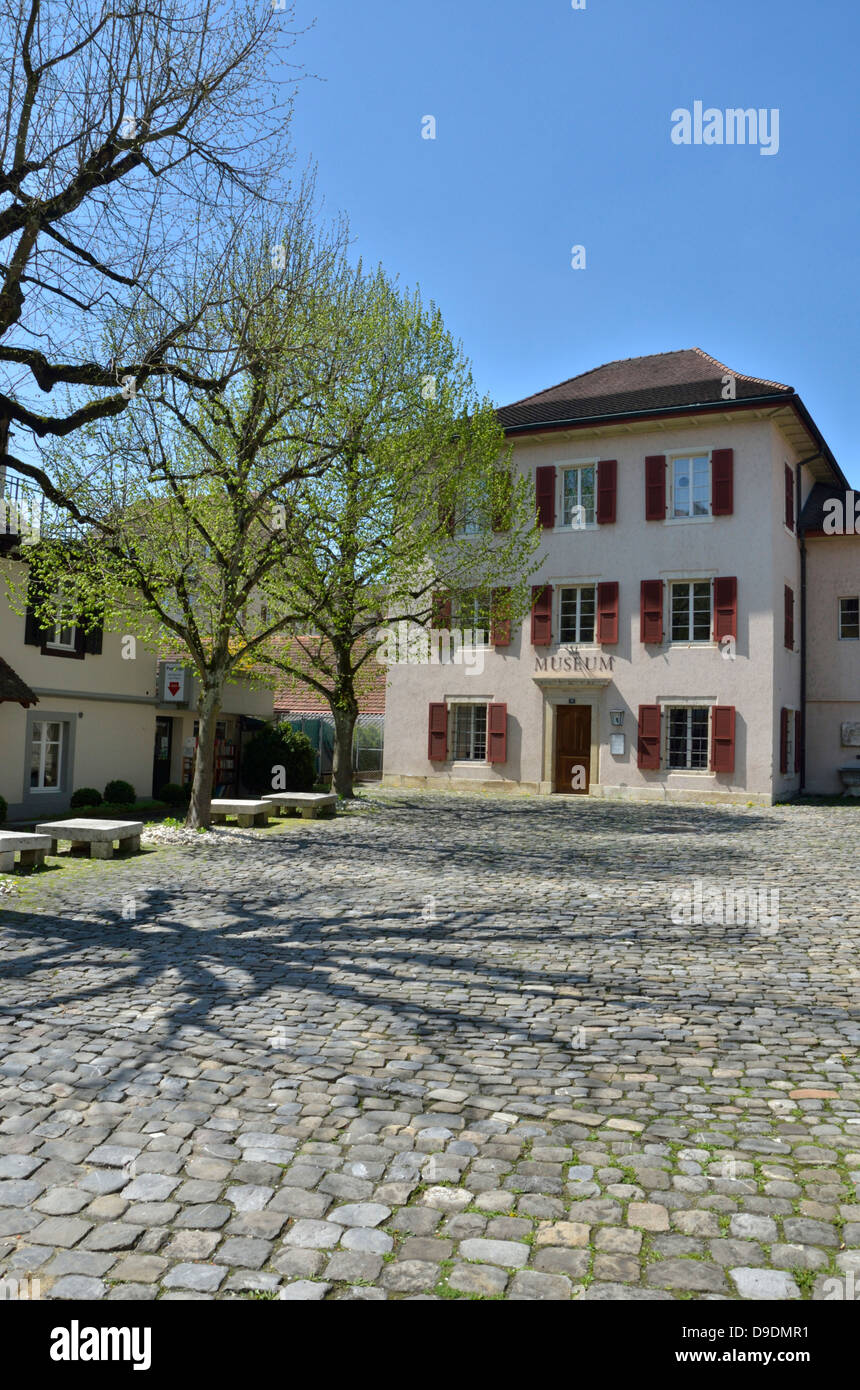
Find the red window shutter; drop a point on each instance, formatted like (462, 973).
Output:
(607, 490)
(655, 487)
(649, 738)
(725, 607)
(783, 739)
(797, 740)
(541, 615)
(500, 628)
(441, 611)
(497, 733)
(722, 482)
(545, 495)
(651, 610)
(502, 501)
(789, 497)
(607, 612)
(723, 738)
(437, 738)
(789, 618)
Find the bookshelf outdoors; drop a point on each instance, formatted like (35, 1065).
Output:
(224, 780)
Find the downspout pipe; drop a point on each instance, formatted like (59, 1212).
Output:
(798, 481)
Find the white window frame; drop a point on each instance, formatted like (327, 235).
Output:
(687, 705)
(674, 458)
(61, 602)
(691, 641)
(845, 598)
(579, 585)
(471, 706)
(574, 466)
(480, 634)
(44, 743)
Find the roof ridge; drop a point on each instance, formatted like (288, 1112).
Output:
(762, 381)
(533, 397)
(616, 361)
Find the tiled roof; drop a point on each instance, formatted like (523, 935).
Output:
(661, 381)
(812, 516)
(295, 696)
(12, 688)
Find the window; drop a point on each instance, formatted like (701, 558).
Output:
(470, 732)
(578, 496)
(576, 613)
(789, 741)
(473, 520)
(849, 619)
(46, 750)
(472, 610)
(691, 486)
(688, 737)
(62, 634)
(691, 611)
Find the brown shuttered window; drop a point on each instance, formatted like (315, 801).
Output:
(785, 715)
(500, 627)
(545, 495)
(651, 610)
(723, 738)
(440, 616)
(437, 737)
(722, 482)
(655, 487)
(789, 618)
(789, 498)
(541, 615)
(648, 752)
(607, 612)
(725, 607)
(497, 733)
(607, 491)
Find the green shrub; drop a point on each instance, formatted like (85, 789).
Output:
(120, 793)
(3, 809)
(174, 795)
(275, 747)
(86, 796)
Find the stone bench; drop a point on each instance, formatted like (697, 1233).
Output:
(309, 803)
(247, 813)
(97, 836)
(31, 849)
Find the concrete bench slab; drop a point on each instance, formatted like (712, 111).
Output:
(309, 803)
(247, 812)
(97, 836)
(31, 849)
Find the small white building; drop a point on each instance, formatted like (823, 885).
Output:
(686, 641)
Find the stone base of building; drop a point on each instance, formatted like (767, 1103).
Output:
(675, 795)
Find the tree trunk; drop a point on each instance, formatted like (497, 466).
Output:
(341, 775)
(200, 806)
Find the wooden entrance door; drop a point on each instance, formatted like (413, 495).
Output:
(572, 748)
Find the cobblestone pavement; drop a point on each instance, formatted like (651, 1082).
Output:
(440, 1047)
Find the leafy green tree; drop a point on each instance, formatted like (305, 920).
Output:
(187, 496)
(422, 499)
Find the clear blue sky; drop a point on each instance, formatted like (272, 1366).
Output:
(553, 129)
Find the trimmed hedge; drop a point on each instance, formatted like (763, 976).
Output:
(120, 793)
(86, 796)
(174, 795)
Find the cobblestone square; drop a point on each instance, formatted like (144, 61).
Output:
(443, 1046)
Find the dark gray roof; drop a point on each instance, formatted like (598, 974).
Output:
(664, 380)
(12, 688)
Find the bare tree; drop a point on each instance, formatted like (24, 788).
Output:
(134, 135)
